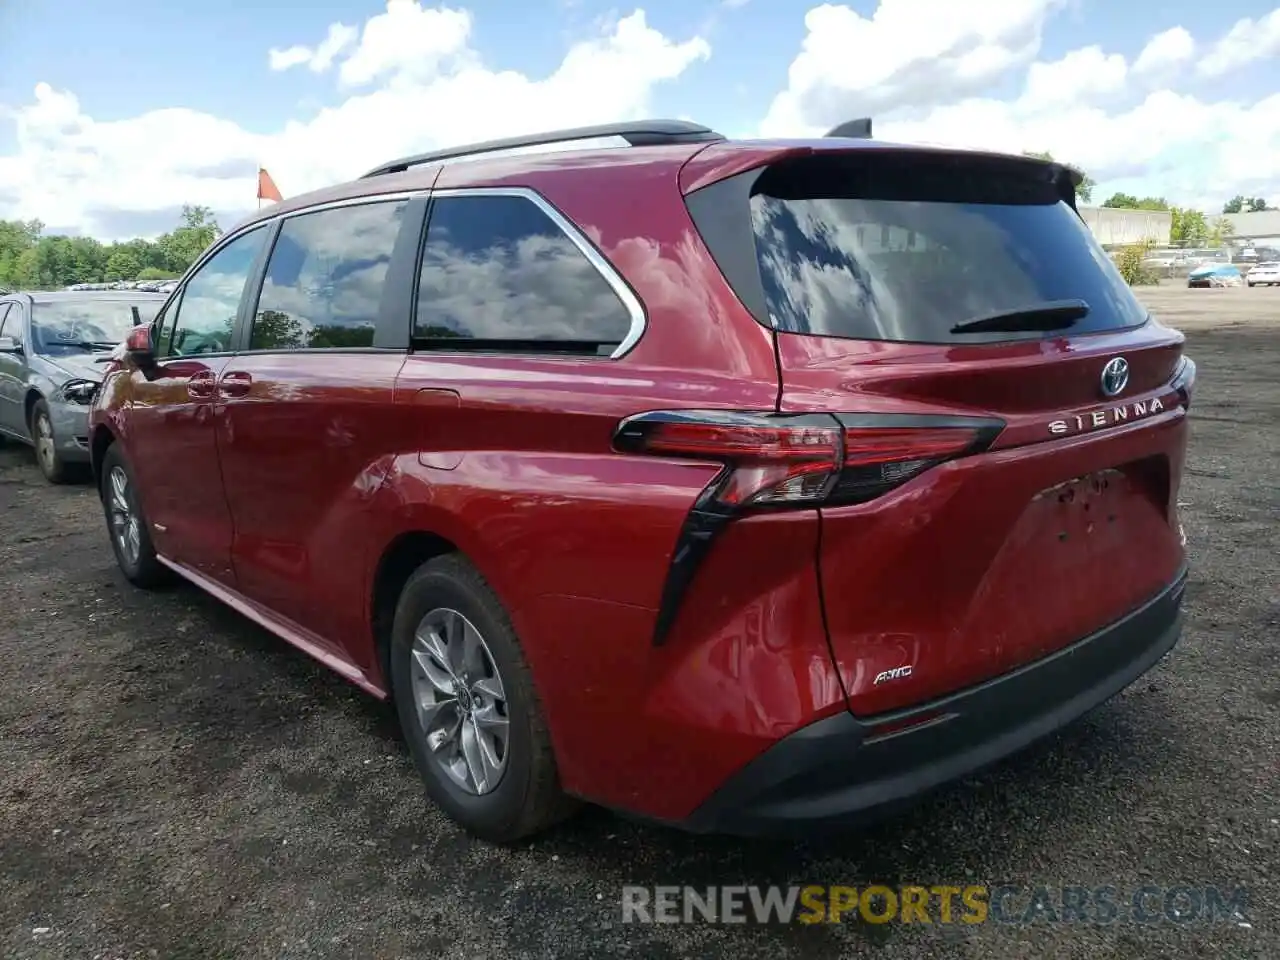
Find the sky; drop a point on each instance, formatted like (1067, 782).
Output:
(112, 116)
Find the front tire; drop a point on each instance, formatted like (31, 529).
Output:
(127, 524)
(468, 707)
(48, 459)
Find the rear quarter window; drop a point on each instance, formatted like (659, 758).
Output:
(499, 273)
(902, 249)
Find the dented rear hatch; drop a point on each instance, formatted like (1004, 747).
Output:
(949, 291)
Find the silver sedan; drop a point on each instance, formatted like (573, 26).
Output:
(51, 348)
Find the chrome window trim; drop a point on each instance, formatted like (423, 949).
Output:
(620, 287)
(226, 238)
(638, 320)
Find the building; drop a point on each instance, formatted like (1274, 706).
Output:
(1117, 226)
(1261, 228)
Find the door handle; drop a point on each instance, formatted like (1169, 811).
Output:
(200, 385)
(234, 384)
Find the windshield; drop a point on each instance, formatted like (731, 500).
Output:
(904, 249)
(75, 326)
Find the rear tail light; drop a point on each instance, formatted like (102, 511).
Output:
(1184, 380)
(782, 460)
(770, 460)
(778, 461)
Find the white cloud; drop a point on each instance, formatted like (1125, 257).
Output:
(909, 53)
(1188, 150)
(927, 73)
(1246, 42)
(1165, 50)
(289, 57)
(318, 59)
(926, 70)
(410, 64)
(408, 42)
(1086, 73)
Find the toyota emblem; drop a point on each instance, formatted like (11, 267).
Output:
(1115, 376)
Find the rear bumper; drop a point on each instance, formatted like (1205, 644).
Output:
(842, 770)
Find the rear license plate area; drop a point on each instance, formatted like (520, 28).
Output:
(1089, 509)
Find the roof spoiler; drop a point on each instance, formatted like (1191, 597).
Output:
(859, 129)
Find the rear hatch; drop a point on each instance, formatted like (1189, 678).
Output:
(1014, 431)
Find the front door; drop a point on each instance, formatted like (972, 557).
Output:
(174, 408)
(13, 369)
(307, 431)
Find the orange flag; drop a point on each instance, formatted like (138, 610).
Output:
(267, 189)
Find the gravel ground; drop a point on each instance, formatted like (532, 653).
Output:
(175, 782)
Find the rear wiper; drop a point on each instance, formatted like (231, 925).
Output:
(1050, 315)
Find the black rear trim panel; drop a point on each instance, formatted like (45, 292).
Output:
(843, 771)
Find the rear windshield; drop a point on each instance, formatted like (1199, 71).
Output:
(76, 326)
(903, 247)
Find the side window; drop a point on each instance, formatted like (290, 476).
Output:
(324, 281)
(211, 299)
(163, 325)
(498, 270)
(11, 323)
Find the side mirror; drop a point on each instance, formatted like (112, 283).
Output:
(138, 346)
(9, 345)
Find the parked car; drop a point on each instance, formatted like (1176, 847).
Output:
(50, 348)
(1215, 275)
(814, 475)
(1264, 274)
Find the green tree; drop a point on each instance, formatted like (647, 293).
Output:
(26, 270)
(1188, 226)
(1256, 205)
(1127, 201)
(88, 260)
(183, 245)
(1084, 192)
(155, 273)
(275, 329)
(1124, 201)
(1234, 205)
(1131, 261)
(122, 264)
(30, 260)
(336, 335)
(1219, 230)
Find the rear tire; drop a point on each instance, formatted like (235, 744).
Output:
(127, 524)
(468, 707)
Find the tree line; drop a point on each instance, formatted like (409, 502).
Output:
(29, 260)
(1189, 226)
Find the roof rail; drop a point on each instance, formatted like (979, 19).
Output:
(859, 129)
(637, 133)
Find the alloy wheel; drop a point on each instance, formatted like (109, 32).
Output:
(45, 448)
(124, 520)
(460, 701)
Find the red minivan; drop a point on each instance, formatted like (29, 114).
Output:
(743, 486)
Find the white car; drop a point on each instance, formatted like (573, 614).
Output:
(1264, 274)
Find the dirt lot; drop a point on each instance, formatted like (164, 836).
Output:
(176, 783)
